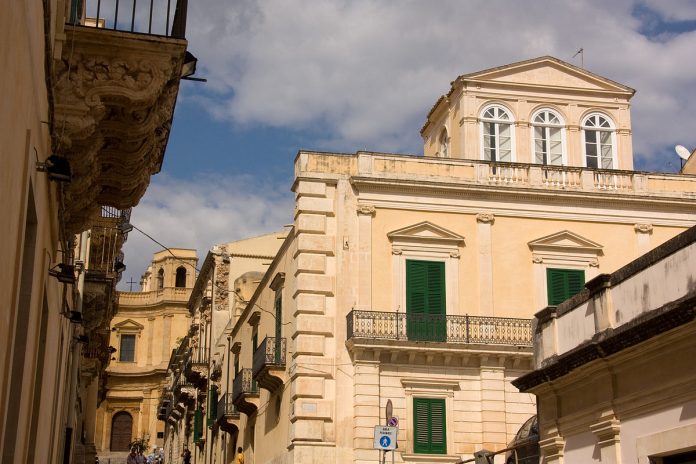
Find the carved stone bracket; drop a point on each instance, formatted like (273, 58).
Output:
(594, 263)
(537, 259)
(114, 103)
(367, 210)
(643, 228)
(397, 251)
(485, 218)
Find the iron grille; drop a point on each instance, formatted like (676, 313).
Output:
(271, 352)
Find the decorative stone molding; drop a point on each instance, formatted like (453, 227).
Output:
(367, 210)
(643, 228)
(594, 263)
(485, 218)
(397, 251)
(114, 103)
(537, 259)
(455, 254)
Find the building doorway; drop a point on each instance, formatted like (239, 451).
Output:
(121, 431)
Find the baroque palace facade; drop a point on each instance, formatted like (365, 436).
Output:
(415, 278)
(87, 108)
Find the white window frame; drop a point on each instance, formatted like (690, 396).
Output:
(561, 125)
(482, 120)
(612, 130)
(418, 387)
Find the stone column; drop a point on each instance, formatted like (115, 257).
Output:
(607, 433)
(365, 215)
(166, 336)
(643, 233)
(366, 402)
(485, 221)
(311, 415)
(493, 417)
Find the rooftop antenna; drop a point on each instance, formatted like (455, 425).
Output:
(683, 153)
(581, 52)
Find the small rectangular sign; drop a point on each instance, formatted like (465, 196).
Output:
(385, 437)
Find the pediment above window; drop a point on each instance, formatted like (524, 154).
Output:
(548, 71)
(425, 232)
(565, 242)
(129, 325)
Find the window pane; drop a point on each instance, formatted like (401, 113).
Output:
(606, 156)
(127, 351)
(605, 137)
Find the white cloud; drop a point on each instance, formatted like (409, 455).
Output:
(208, 210)
(366, 72)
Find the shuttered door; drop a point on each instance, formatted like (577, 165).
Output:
(561, 284)
(430, 436)
(212, 406)
(197, 425)
(425, 300)
(121, 429)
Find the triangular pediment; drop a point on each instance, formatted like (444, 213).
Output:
(425, 231)
(128, 324)
(565, 241)
(548, 71)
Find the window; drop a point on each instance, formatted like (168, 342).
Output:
(127, 351)
(599, 147)
(160, 279)
(160, 435)
(425, 300)
(547, 138)
(561, 284)
(444, 144)
(429, 426)
(496, 125)
(180, 281)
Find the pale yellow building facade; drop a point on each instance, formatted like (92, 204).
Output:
(613, 365)
(146, 328)
(74, 159)
(415, 279)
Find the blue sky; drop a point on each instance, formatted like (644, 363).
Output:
(345, 75)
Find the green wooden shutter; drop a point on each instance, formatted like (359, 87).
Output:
(278, 327)
(430, 436)
(197, 425)
(425, 300)
(561, 284)
(212, 406)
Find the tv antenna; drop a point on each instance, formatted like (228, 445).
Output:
(581, 52)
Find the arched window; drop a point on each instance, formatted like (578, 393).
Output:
(160, 279)
(444, 144)
(598, 134)
(180, 277)
(547, 138)
(121, 431)
(496, 129)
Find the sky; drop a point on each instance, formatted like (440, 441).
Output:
(348, 75)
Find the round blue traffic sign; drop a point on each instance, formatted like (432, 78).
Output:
(384, 441)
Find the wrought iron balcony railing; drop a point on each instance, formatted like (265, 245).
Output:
(244, 384)
(271, 353)
(154, 17)
(439, 328)
(226, 409)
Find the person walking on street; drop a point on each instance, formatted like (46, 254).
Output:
(240, 455)
(132, 457)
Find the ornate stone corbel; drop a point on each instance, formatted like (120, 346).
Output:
(367, 210)
(397, 251)
(485, 218)
(537, 259)
(594, 263)
(455, 254)
(643, 228)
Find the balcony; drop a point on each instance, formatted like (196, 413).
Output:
(269, 364)
(245, 392)
(103, 271)
(412, 335)
(227, 414)
(116, 80)
(197, 369)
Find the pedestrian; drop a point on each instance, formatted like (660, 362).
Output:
(187, 456)
(132, 457)
(240, 455)
(141, 458)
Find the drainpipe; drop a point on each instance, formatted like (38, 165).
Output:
(75, 356)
